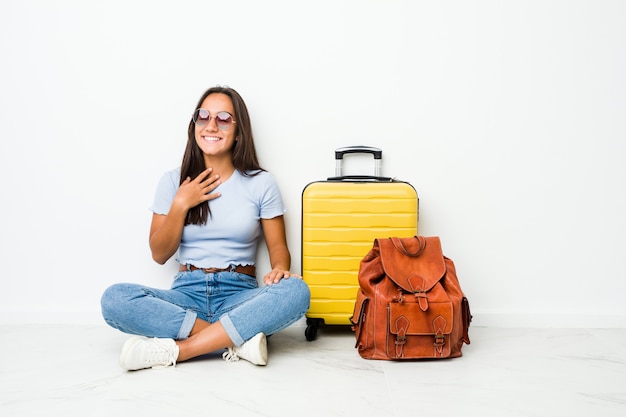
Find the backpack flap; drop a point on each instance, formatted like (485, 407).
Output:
(415, 264)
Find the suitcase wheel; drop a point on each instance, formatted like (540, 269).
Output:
(312, 327)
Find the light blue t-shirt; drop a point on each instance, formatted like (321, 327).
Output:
(233, 230)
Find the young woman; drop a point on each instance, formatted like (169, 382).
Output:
(212, 212)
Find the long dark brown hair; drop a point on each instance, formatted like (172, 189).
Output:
(244, 153)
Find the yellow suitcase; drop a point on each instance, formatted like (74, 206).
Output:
(341, 217)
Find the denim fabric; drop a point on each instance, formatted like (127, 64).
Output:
(235, 299)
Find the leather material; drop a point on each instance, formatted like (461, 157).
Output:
(409, 304)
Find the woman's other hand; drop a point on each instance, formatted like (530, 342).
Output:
(275, 275)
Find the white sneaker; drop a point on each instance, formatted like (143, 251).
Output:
(254, 350)
(141, 352)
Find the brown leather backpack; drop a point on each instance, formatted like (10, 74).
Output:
(409, 304)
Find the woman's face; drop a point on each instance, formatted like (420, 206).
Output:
(212, 140)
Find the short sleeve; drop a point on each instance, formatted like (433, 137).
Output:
(165, 192)
(272, 202)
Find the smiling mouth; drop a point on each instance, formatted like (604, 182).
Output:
(211, 138)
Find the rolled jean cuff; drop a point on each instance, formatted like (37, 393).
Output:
(228, 326)
(188, 322)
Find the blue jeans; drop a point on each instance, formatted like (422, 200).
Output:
(235, 299)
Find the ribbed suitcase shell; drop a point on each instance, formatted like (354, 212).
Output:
(340, 220)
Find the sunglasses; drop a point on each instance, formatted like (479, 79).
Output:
(223, 119)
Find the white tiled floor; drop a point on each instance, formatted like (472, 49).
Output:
(68, 370)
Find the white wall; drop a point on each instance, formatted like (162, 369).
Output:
(507, 117)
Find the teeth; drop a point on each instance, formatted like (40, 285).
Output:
(211, 138)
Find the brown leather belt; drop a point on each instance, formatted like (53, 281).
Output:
(242, 269)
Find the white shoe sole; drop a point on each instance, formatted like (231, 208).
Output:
(128, 345)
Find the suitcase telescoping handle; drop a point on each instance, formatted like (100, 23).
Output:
(375, 152)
